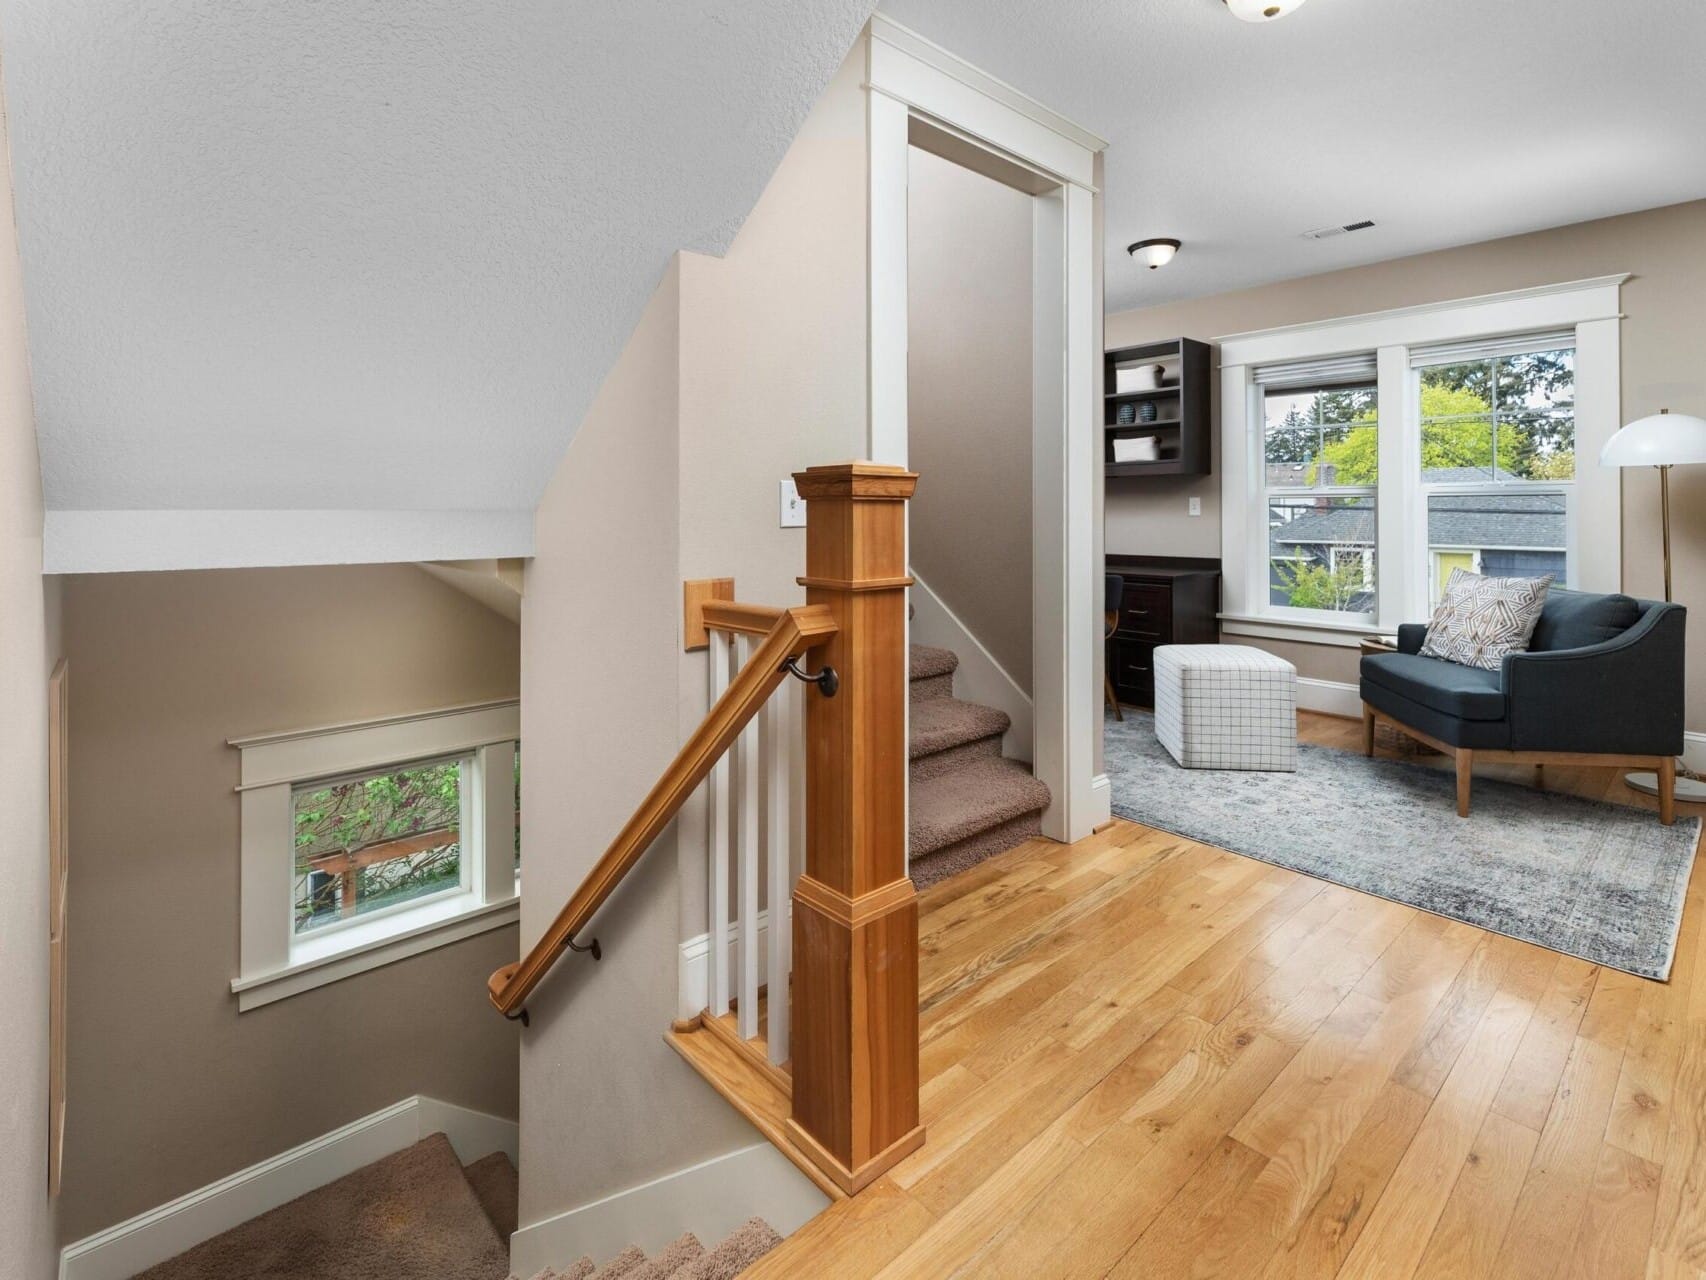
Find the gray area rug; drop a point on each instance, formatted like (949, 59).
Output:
(1600, 881)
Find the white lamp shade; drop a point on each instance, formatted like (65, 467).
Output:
(1154, 253)
(1662, 440)
(1262, 10)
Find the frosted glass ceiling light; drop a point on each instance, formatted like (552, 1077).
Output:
(1153, 253)
(1262, 10)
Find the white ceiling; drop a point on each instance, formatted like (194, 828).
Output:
(378, 255)
(1446, 121)
(374, 254)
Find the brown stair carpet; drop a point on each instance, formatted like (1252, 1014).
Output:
(496, 1186)
(685, 1259)
(410, 1216)
(968, 802)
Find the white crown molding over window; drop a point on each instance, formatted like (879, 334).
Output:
(275, 963)
(1591, 309)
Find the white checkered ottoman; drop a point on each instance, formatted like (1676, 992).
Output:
(1226, 706)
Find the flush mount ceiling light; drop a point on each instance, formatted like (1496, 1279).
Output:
(1153, 253)
(1262, 10)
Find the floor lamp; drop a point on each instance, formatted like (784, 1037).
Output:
(1664, 440)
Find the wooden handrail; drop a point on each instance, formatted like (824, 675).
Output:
(745, 619)
(792, 633)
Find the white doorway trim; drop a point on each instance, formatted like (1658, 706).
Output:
(921, 93)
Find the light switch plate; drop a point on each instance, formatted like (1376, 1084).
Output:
(1196, 506)
(793, 515)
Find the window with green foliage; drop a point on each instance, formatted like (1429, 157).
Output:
(375, 841)
(1321, 449)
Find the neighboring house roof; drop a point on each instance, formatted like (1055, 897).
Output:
(1518, 519)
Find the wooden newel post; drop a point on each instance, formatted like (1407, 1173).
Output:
(855, 983)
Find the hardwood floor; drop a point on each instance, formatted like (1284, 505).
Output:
(1146, 1057)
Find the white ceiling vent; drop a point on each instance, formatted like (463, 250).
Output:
(1327, 233)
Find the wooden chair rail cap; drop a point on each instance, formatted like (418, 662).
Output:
(869, 480)
(794, 631)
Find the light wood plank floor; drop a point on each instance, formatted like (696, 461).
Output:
(1146, 1057)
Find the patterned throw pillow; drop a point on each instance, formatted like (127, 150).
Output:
(1479, 620)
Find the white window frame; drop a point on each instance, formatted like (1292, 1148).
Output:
(273, 960)
(1590, 307)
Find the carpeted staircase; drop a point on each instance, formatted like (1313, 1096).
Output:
(969, 802)
(420, 1215)
(685, 1259)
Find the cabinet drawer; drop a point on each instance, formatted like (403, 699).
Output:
(1147, 610)
(1133, 669)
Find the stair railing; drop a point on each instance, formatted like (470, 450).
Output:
(790, 634)
(761, 832)
(842, 954)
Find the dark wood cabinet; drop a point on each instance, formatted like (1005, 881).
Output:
(1166, 600)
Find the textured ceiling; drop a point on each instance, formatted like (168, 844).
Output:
(376, 253)
(1446, 121)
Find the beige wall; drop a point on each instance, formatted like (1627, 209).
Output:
(773, 380)
(28, 649)
(605, 1103)
(743, 370)
(969, 400)
(1664, 364)
(170, 1087)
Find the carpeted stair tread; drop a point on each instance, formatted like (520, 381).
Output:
(943, 723)
(579, 1269)
(746, 1245)
(410, 1216)
(622, 1265)
(671, 1260)
(925, 661)
(983, 794)
(496, 1187)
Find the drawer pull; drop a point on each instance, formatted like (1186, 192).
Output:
(1140, 613)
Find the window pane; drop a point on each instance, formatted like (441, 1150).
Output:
(1321, 436)
(1505, 420)
(371, 842)
(1521, 534)
(1321, 552)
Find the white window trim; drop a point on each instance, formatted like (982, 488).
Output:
(1590, 307)
(272, 962)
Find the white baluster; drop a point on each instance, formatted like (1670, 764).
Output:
(778, 831)
(717, 829)
(747, 869)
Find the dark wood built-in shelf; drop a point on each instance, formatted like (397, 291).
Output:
(1183, 439)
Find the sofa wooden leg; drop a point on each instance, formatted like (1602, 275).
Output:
(1667, 790)
(1367, 729)
(1465, 759)
(1112, 697)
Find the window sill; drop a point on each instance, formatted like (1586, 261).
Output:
(319, 961)
(1344, 635)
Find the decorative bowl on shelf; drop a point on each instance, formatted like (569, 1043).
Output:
(1126, 414)
(1147, 411)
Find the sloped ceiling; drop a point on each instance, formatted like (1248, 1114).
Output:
(375, 254)
(1445, 121)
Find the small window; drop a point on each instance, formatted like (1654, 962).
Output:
(377, 841)
(363, 844)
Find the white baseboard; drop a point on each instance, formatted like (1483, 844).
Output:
(123, 1250)
(1694, 751)
(1101, 800)
(980, 677)
(1333, 697)
(693, 969)
(709, 1199)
